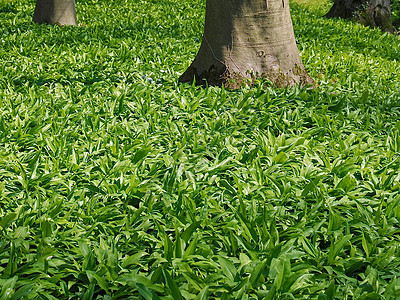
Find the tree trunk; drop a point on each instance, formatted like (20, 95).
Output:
(374, 13)
(60, 12)
(246, 39)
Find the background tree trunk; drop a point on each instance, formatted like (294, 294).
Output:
(374, 13)
(55, 12)
(246, 39)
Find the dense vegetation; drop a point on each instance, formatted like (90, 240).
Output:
(117, 183)
(395, 6)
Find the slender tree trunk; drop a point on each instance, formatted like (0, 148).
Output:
(246, 39)
(374, 13)
(55, 12)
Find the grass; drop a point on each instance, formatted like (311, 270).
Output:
(318, 6)
(118, 183)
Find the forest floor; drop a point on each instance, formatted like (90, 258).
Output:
(116, 182)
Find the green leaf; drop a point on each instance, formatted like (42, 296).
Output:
(280, 270)
(46, 228)
(310, 187)
(89, 292)
(330, 291)
(347, 183)
(8, 286)
(22, 292)
(203, 295)
(5, 221)
(227, 268)
(100, 281)
(367, 243)
(190, 250)
(133, 259)
(281, 158)
(172, 286)
(336, 247)
(271, 293)
(146, 293)
(188, 232)
(255, 275)
(140, 154)
(308, 247)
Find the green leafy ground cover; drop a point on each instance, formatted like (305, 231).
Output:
(321, 7)
(117, 183)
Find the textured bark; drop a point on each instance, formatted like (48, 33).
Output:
(374, 13)
(246, 39)
(60, 12)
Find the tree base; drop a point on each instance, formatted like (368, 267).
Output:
(244, 40)
(236, 80)
(372, 13)
(61, 12)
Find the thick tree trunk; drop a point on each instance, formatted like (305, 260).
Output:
(55, 12)
(246, 39)
(374, 13)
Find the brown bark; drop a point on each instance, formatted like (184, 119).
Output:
(246, 39)
(60, 12)
(373, 13)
